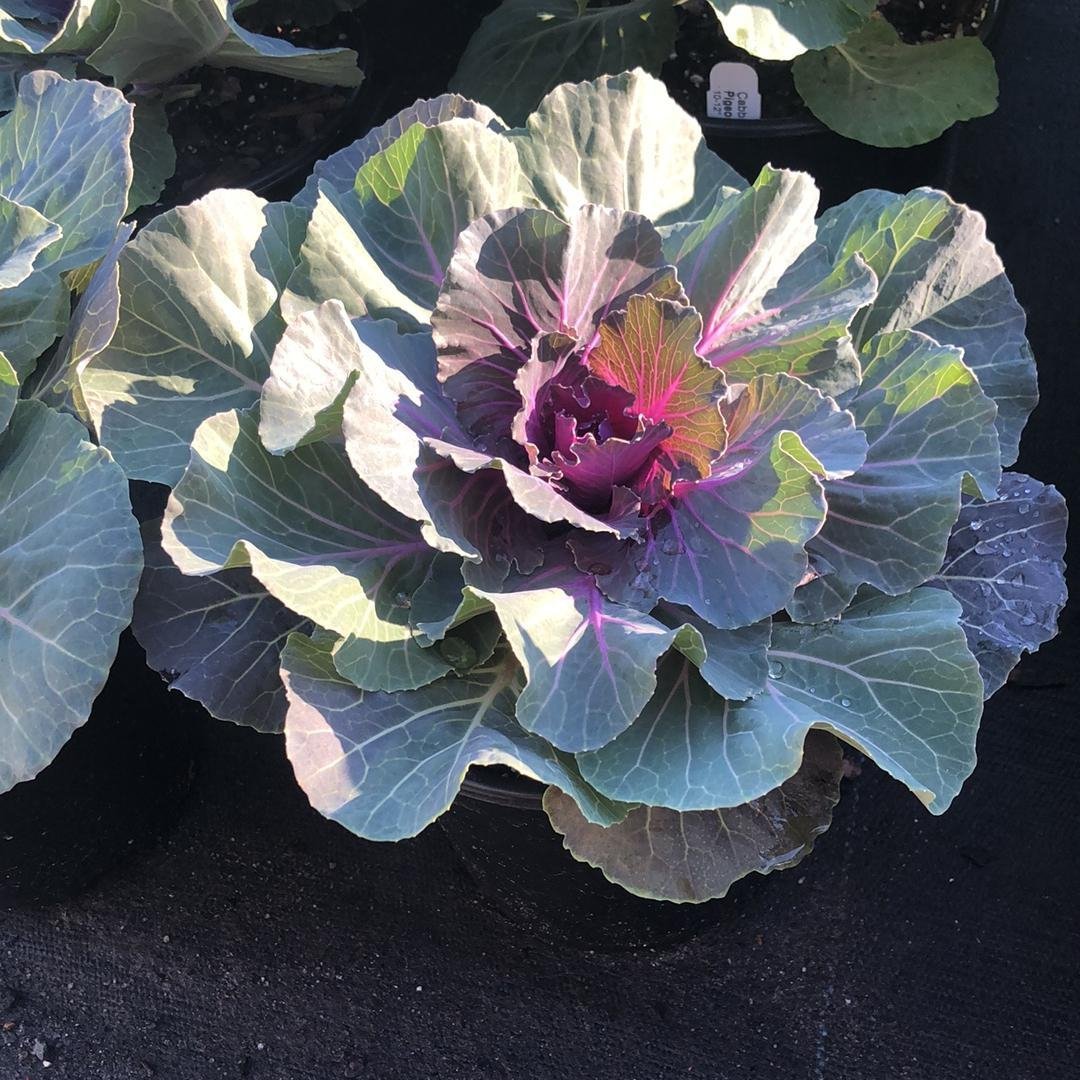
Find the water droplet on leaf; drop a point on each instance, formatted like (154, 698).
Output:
(976, 524)
(671, 546)
(776, 669)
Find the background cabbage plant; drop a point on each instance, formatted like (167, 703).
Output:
(70, 555)
(566, 448)
(851, 68)
(144, 45)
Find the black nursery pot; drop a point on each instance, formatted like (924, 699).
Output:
(841, 166)
(498, 828)
(113, 790)
(400, 65)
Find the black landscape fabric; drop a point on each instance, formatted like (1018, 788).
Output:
(262, 941)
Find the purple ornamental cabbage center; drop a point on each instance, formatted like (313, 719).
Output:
(592, 444)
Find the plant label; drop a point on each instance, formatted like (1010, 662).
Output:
(733, 92)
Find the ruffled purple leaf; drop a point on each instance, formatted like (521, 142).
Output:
(517, 275)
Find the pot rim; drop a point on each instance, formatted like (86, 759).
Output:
(793, 126)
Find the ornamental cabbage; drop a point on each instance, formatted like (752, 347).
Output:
(564, 447)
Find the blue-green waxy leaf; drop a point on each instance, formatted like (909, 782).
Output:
(893, 677)
(366, 382)
(31, 27)
(64, 153)
(217, 639)
(153, 153)
(734, 663)
(338, 172)
(878, 89)
(698, 855)
(320, 358)
(731, 259)
(939, 274)
(620, 141)
(383, 246)
(386, 765)
(57, 382)
(69, 565)
(802, 327)
(732, 547)
(522, 49)
(316, 539)
(928, 424)
(197, 325)
(784, 29)
(154, 41)
(24, 235)
(1005, 564)
(589, 663)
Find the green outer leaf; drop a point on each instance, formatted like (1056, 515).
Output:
(63, 152)
(154, 41)
(315, 537)
(24, 234)
(893, 677)
(69, 565)
(939, 274)
(880, 90)
(217, 638)
(315, 365)
(691, 857)
(87, 22)
(803, 326)
(928, 424)
(522, 50)
(92, 325)
(384, 246)
(733, 662)
(829, 444)
(153, 154)
(414, 197)
(198, 322)
(621, 141)
(338, 171)
(590, 664)
(386, 765)
(783, 29)
(731, 259)
(14, 66)
(9, 391)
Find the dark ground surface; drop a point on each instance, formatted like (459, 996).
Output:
(262, 941)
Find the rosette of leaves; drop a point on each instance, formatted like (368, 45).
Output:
(851, 68)
(70, 555)
(144, 46)
(565, 448)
